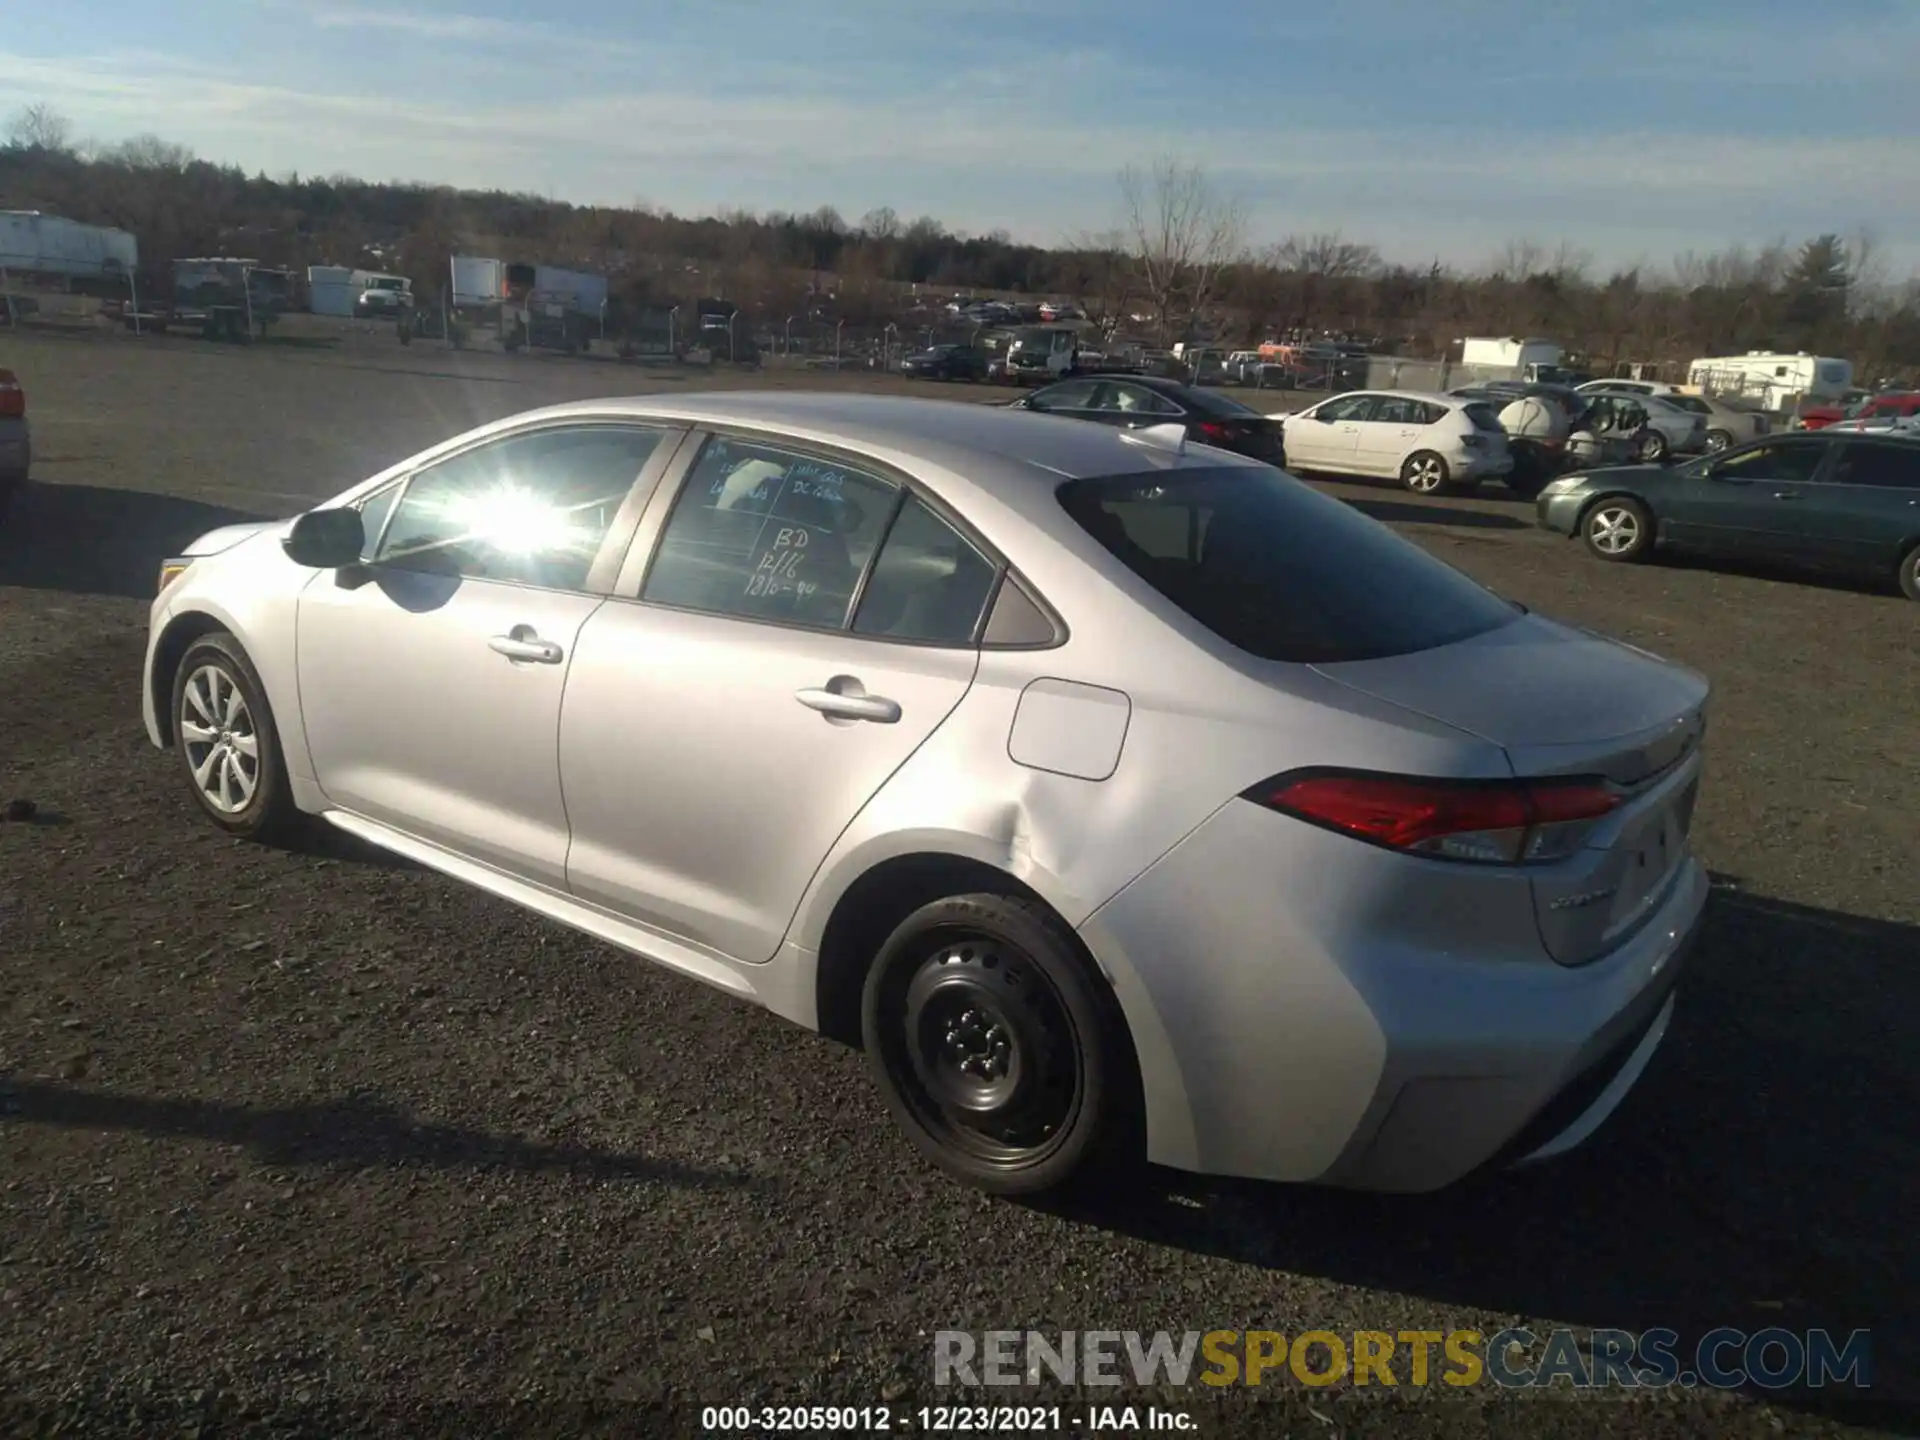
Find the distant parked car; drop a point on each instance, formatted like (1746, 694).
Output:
(1136, 401)
(1883, 412)
(946, 362)
(1432, 443)
(1830, 500)
(1824, 413)
(16, 442)
(1728, 422)
(382, 303)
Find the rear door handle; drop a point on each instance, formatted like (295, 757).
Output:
(523, 643)
(1786, 494)
(844, 706)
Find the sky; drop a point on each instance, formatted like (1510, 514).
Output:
(1433, 129)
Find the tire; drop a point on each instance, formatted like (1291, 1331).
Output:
(1618, 528)
(1910, 574)
(1718, 440)
(215, 668)
(1000, 1053)
(1425, 473)
(1652, 448)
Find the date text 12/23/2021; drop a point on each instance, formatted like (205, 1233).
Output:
(941, 1419)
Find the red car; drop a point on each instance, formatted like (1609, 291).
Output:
(1892, 405)
(16, 446)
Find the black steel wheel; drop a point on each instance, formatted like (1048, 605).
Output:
(999, 1053)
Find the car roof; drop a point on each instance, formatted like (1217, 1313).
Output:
(967, 438)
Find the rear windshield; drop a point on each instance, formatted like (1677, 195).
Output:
(1280, 570)
(1483, 415)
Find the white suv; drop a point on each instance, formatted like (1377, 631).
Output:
(1431, 443)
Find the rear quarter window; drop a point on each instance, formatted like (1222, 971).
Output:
(1279, 570)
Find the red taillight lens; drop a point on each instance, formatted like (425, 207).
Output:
(13, 400)
(1501, 822)
(1213, 432)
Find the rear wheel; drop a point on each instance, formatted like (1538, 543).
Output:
(1718, 440)
(1618, 528)
(999, 1053)
(1910, 574)
(1424, 473)
(1653, 448)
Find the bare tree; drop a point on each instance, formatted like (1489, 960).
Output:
(40, 127)
(1328, 256)
(1099, 274)
(1182, 233)
(881, 224)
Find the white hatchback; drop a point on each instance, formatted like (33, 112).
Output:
(1431, 443)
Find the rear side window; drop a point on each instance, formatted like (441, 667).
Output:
(1884, 466)
(1280, 570)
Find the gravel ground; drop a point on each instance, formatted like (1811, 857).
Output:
(320, 1143)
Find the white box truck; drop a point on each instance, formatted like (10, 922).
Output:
(1511, 358)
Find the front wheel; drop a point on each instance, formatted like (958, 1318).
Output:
(1618, 528)
(996, 1048)
(1718, 440)
(1424, 473)
(1910, 574)
(227, 742)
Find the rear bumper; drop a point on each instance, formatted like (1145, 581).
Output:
(1317, 1033)
(1471, 465)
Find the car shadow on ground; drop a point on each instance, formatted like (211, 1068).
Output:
(1763, 1174)
(352, 1132)
(87, 540)
(1784, 573)
(1409, 512)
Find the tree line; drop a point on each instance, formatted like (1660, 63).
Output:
(1180, 260)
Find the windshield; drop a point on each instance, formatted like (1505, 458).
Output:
(1278, 569)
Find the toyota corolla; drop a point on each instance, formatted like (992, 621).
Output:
(1119, 796)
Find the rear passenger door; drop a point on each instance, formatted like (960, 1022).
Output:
(791, 626)
(1865, 510)
(1390, 432)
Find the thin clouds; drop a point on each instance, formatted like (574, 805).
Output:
(1030, 141)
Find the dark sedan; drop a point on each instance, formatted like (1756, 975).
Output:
(946, 362)
(1137, 401)
(1837, 501)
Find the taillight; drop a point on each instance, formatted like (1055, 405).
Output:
(13, 400)
(1214, 432)
(1502, 822)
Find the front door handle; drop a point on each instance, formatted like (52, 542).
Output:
(523, 643)
(843, 698)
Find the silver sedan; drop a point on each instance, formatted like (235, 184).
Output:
(1119, 796)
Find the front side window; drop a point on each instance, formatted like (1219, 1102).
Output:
(1137, 400)
(1348, 408)
(1072, 395)
(1278, 569)
(531, 509)
(768, 533)
(1781, 460)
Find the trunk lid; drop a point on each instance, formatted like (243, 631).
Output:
(1563, 701)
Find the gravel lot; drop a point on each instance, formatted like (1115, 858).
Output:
(321, 1143)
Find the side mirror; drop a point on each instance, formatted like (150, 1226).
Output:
(326, 539)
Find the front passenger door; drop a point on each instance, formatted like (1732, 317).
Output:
(1327, 436)
(430, 676)
(1728, 507)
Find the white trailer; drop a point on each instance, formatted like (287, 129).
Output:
(32, 243)
(478, 280)
(1778, 381)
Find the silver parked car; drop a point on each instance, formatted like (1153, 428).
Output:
(1727, 421)
(1120, 796)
